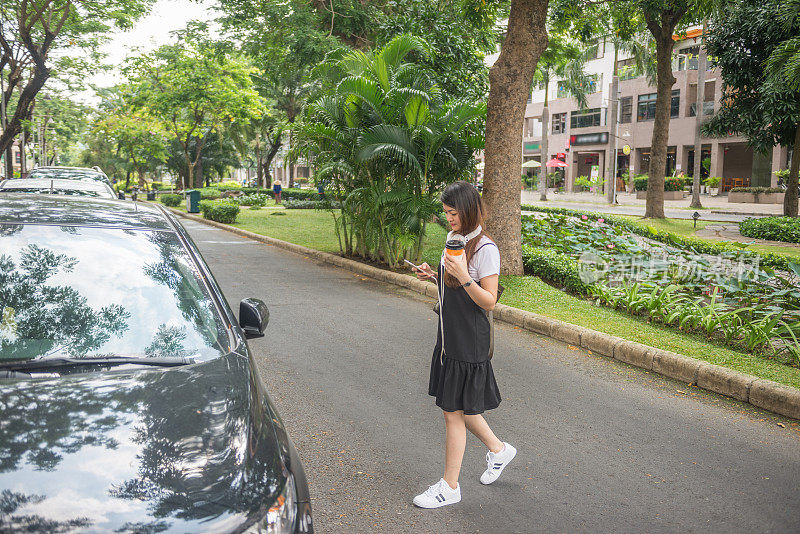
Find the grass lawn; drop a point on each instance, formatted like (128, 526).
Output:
(315, 229)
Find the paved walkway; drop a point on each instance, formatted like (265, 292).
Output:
(715, 208)
(603, 447)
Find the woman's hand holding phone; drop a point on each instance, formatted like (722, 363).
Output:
(423, 271)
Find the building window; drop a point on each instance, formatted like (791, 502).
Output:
(627, 69)
(708, 108)
(646, 110)
(688, 58)
(626, 109)
(675, 104)
(562, 91)
(559, 123)
(532, 128)
(585, 118)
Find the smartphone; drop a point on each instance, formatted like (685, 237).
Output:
(411, 264)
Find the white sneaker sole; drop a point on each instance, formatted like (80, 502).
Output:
(430, 505)
(499, 472)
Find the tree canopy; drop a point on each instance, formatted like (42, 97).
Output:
(753, 48)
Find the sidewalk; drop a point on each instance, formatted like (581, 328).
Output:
(714, 208)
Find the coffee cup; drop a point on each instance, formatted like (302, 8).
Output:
(454, 247)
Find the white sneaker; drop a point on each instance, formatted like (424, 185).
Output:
(495, 463)
(440, 494)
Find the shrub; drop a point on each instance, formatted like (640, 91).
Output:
(299, 194)
(219, 210)
(209, 193)
(305, 204)
(673, 183)
(255, 199)
(713, 181)
(756, 190)
(171, 200)
(555, 267)
(785, 229)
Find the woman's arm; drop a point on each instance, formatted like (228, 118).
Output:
(485, 294)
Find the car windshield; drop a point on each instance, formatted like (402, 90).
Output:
(98, 292)
(97, 193)
(69, 174)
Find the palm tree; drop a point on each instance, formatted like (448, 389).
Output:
(382, 136)
(563, 61)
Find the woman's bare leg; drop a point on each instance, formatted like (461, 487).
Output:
(478, 426)
(455, 443)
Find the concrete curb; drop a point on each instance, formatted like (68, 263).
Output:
(759, 392)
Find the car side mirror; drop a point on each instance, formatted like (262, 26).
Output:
(253, 317)
(121, 195)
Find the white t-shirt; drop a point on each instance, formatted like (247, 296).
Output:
(485, 261)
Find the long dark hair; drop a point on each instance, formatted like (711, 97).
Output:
(466, 200)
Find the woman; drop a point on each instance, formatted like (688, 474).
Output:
(276, 188)
(461, 378)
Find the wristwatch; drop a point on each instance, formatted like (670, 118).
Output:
(468, 283)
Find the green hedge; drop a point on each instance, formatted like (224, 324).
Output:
(671, 183)
(756, 190)
(554, 267)
(768, 259)
(305, 204)
(785, 229)
(171, 200)
(219, 210)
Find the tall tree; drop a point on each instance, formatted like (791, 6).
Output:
(562, 61)
(510, 80)
(139, 138)
(195, 89)
(30, 33)
(754, 45)
(663, 19)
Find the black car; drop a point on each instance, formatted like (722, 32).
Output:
(129, 400)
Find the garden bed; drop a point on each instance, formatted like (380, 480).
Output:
(755, 198)
(727, 297)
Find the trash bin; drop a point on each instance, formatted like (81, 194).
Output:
(193, 201)
(151, 195)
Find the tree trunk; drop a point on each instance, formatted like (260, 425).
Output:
(698, 144)
(790, 198)
(23, 110)
(658, 144)
(509, 85)
(23, 161)
(273, 150)
(198, 173)
(544, 150)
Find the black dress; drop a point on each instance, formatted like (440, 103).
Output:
(463, 378)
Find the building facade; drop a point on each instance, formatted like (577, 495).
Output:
(582, 137)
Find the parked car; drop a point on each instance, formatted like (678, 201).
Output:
(130, 399)
(71, 173)
(54, 186)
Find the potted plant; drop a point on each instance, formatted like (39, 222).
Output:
(712, 182)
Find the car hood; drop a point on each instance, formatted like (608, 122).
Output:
(186, 449)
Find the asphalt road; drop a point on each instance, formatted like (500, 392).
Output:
(603, 447)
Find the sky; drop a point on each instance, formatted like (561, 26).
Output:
(149, 33)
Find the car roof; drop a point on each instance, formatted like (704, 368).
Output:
(81, 211)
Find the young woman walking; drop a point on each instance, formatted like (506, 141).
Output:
(461, 378)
